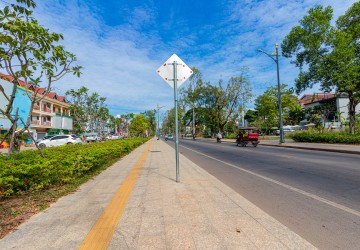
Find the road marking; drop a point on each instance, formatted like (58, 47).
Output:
(313, 196)
(101, 233)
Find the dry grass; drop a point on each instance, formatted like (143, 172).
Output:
(16, 210)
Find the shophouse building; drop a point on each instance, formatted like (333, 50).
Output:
(50, 115)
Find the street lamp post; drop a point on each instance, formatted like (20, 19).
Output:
(276, 60)
(158, 123)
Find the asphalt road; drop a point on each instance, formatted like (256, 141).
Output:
(316, 194)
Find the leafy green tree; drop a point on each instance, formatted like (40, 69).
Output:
(320, 113)
(124, 121)
(328, 55)
(150, 115)
(221, 103)
(90, 113)
(168, 124)
(251, 115)
(267, 106)
(190, 97)
(78, 99)
(295, 116)
(138, 125)
(30, 52)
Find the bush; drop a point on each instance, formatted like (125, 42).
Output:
(27, 170)
(327, 137)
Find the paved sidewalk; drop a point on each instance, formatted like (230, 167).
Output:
(200, 212)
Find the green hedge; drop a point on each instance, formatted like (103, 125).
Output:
(327, 137)
(27, 170)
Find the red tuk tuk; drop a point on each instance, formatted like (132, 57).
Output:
(247, 135)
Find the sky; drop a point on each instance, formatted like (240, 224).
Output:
(121, 43)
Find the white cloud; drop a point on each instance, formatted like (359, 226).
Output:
(120, 60)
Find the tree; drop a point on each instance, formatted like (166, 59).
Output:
(267, 106)
(221, 103)
(168, 124)
(190, 97)
(96, 111)
(138, 125)
(78, 99)
(89, 111)
(29, 52)
(327, 55)
(150, 115)
(251, 115)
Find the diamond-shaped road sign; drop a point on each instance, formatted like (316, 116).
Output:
(166, 71)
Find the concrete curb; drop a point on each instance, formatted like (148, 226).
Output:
(313, 148)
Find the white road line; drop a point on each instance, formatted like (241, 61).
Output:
(313, 196)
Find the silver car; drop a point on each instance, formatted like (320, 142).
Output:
(59, 140)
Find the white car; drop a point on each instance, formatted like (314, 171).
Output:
(286, 131)
(169, 137)
(113, 137)
(59, 140)
(92, 138)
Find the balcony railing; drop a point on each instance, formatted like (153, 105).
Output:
(36, 107)
(47, 110)
(35, 122)
(47, 124)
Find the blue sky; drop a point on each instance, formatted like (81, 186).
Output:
(121, 43)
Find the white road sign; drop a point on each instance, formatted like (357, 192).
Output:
(166, 71)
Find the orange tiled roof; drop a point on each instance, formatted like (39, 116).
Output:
(61, 98)
(21, 83)
(311, 98)
(32, 87)
(51, 95)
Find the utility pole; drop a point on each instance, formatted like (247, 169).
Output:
(193, 121)
(276, 60)
(158, 122)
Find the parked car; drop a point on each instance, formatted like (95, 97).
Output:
(113, 137)
(59, 140)
(46, 137)
(92, 137)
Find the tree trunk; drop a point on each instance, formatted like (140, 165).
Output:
(352, 113)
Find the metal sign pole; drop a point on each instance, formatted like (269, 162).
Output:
(167, 72)
(176, 123)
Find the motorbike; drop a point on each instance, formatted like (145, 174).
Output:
(218, 140)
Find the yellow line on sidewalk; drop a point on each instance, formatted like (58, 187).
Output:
(101, 233)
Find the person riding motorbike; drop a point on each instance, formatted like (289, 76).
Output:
(218, 137)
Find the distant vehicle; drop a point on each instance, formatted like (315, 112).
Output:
(46, 137)
(92, 137)
(59, 140)
(169, 137)
(286, 131)
(113, 137)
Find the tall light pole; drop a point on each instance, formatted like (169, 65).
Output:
(158, 123)
(276, 60)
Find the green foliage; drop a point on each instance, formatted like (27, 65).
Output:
(150, 115)
(29, 171)
(138, 125)
(328, 137)
(89, 111)
(328, 55)
(31, 53)
(215, 105)
(251, 115)
(267, 107)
